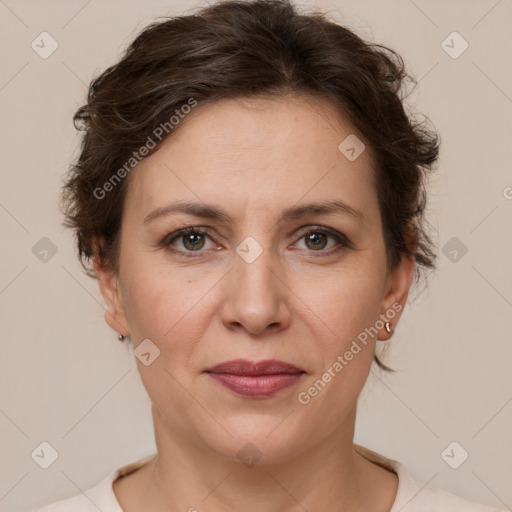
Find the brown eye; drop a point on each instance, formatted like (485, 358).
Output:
(316, 240)
(193, 242)
(188, 241)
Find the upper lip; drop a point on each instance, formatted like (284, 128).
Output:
(245, 367)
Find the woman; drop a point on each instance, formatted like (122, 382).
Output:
(250, 193)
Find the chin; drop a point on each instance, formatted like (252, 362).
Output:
(257, 440)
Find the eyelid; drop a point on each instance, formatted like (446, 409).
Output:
(176, 235)
(189, 230)
(341, 238)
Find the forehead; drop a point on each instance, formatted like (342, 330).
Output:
(256, 152)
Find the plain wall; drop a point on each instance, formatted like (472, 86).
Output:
(65, 379)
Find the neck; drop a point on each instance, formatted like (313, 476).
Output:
(187, 476)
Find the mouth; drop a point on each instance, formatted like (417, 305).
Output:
(256, 379)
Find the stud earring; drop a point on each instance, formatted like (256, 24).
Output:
(388, 327)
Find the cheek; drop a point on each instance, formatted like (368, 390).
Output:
(159, 310)
(153, 300)
(342, 303)
(149, 310)
(170, 309)
(344, 307)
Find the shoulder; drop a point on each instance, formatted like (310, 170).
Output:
(413, 496)
(433, 499)
(100, 497)
(78, 503)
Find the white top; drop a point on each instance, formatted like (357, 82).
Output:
(411, 495)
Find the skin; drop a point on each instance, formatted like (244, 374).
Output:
(296, 302)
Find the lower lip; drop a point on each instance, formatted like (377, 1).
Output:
(257, 385)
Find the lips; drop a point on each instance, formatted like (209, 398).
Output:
(244, 367)
(256, 378)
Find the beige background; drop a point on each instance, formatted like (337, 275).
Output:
(66, 380)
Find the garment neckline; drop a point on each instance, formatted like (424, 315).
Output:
(389, 464)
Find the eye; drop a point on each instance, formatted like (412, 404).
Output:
(317, 239)
(191, 240)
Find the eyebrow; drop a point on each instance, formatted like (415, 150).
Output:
(208, 211)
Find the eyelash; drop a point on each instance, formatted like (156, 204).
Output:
(343, 241)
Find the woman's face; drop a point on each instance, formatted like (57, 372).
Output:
(261, 277)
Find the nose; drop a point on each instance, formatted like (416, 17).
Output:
(256, 296)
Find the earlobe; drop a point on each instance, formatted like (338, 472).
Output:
(112, 320)
(396, 293)
(108, 280)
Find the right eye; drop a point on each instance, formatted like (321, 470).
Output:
(192, 240)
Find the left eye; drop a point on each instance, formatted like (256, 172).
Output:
(317, 240)
(193, 240)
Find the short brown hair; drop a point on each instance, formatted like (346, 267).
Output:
(237, 49)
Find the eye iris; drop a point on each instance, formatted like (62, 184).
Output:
(195, 241)
(315, 238)
(191, 239)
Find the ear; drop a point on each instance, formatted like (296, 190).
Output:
(395, 293)
(108, 280)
